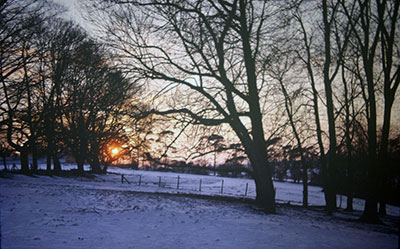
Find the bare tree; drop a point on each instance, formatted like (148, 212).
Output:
(390, 56)
(348, 116)
(17, 83)
(214, 49)
(58, 41)
(292, 111)
(20, 107)
(92, 98)
(375, 39)
(339, 33)
(323, 48)
(306, 55)
(282, 70)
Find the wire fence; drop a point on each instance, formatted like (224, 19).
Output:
(205, 185)
(234, 187)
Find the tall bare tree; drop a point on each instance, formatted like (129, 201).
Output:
(92, 98)
(390, 56)
(323, 47)
(58, 41)
(217, 50)
(338, 32)
(295, 99)
(308, 58)
(17, 57)
(375, 39)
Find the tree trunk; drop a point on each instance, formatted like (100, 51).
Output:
(48, 162)
(264, 186)
(255, 146)
(348, 100)
(383, 153)
(52, 149)
(104, 170)
(350, 188)
(308, 62)
(330, 191)
(5, 163)
(289, 112)
(389, 39)
(94, 155)
(95, 165)
(262, 176)
(305, 185)
(80, 161)
(370, 213)
(79, 164)
(349, 205)
(24, 162)
(315, 97)
(56, 162)
(382, 208)
(34, 158)
(257, 155)
(330, 196)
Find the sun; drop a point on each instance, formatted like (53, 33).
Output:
(114, 152)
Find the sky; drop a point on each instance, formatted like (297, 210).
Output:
(73, 14)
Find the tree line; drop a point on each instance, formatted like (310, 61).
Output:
(306, 82)
(60, 91)
(320, 77)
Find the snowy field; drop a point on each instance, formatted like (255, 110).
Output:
(101, 212)
(155, 181)
(286, 192)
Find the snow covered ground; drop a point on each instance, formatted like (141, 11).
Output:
(286, 192)
(100, 212)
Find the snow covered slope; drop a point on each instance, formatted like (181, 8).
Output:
(53, 212)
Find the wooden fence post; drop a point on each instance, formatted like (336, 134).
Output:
(200, 185)
(247, 187)
(159, 181)
(177, 185)
(222, 187)
(140, 180)
(124, 179)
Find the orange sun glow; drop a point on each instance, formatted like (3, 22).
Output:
(114, 151)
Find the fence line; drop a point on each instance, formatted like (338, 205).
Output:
(213, 186)
(217, 187)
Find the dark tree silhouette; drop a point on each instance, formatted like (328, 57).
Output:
(213, 49)
(91, 102)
